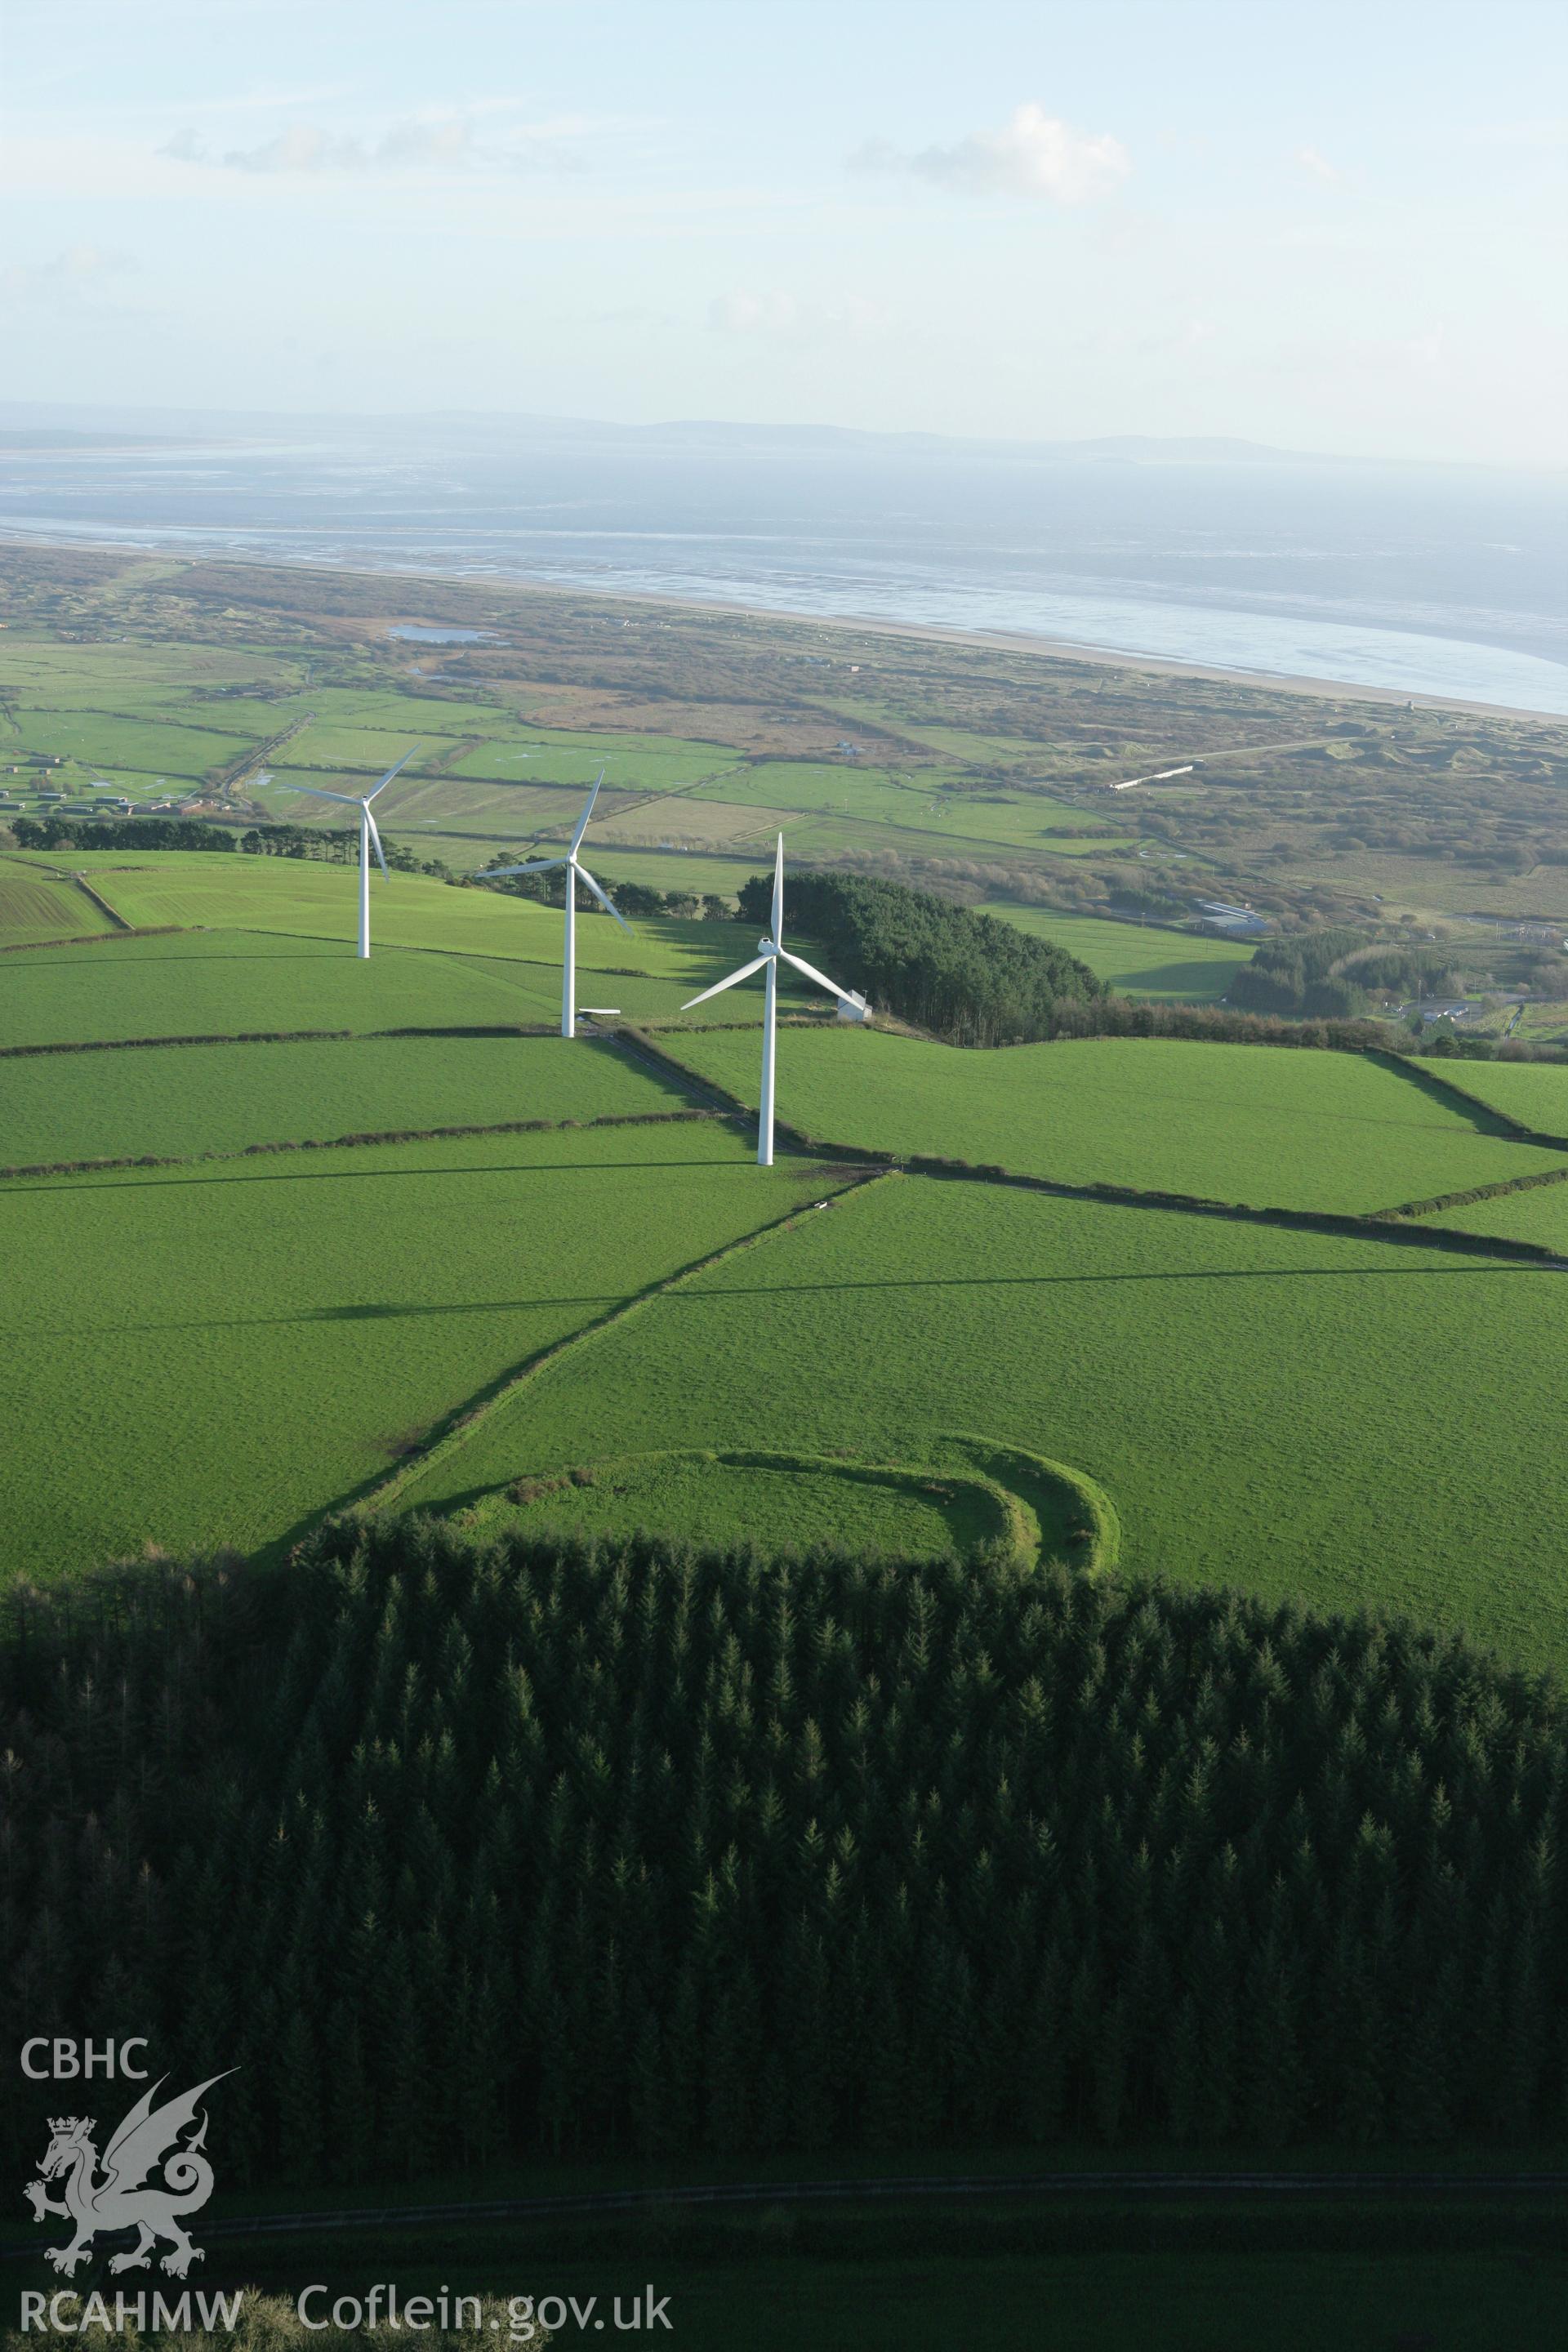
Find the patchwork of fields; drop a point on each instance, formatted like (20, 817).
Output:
(220, 1350)
(1347, 1422)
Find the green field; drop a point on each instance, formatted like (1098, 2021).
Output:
(1136, 961)
(204, 1357)
(1268, 1129)
(1534, 1093)
(233, 892)
(1332, 1420)
(36, 905)
(226, 983)
(180, 1101)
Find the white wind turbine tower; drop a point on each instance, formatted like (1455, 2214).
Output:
(575, 872)
(772, 951)
(367, 834)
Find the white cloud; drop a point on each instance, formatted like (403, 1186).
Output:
(1033, 153)
(1310, 160)
(421, 143)
(75, 270)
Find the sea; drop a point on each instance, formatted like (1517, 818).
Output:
(1427, 580)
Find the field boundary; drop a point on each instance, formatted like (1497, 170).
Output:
(1516, 1128)
(95, 938)
(99, 900)
(1373, 1224)
(1481, 1192)
(454, 1431)
(369, 1141)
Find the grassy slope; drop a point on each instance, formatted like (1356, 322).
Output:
(1338, 1420)
(44, 907)
(178, 1100)
(198, 1358)
(217, 983)
(1139, 962)
(1272, 1127)
(1535, 1093)
(235, 892)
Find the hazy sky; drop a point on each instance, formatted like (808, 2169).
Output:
(1333, 226)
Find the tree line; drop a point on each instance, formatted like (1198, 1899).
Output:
(462, 1848)
(638, 901)
(119, 833)
(968, 978)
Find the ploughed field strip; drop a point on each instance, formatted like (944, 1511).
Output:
(41, 906)
(1344, 1422)
(209, 1356)
(1268, 1128)
(180, 1101)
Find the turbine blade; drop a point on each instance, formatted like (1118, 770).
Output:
(347, 799)
(812, 973)
(719, 985)
(534, 865)
(376, 842)
(391, 772)
(778, 896)
(587, 813)
(603, 900)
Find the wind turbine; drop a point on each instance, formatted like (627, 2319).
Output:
(772, 952)
(575, 872)
(367, 834)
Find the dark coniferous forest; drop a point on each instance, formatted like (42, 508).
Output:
(459, 1849)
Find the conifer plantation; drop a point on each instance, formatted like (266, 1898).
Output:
(462, 1848)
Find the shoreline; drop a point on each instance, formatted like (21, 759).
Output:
(1023, 641)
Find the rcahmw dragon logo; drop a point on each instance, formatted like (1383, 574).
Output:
(124, 2199)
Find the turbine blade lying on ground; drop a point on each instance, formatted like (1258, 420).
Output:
(391, 772)
(376, 842)
(719, 985)
(811, 972)
(603, 900)
(587, 813)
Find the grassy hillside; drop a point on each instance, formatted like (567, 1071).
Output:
(1335, 1420)
(180, 1100)
(1139, 960)
(229, 984)
(1268, 1128)
(1534, 1093)
(206, 1356)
